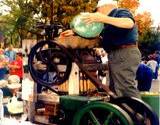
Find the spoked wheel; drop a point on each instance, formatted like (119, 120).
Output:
(101, 113)
(140, 112)
(48, 64)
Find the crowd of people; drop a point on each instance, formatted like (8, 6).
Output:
(11, 62)
(11, 70)
(11, 75)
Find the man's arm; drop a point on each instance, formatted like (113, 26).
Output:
(121, 22)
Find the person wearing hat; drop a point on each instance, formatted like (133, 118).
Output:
(16, 67)
(119, 37)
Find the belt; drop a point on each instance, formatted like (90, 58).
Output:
(123, 46)
(127, 46)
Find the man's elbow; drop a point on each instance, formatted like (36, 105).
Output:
(130, 24)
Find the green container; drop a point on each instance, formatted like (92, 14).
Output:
(73, 103)
(153, 100)
(86, 30)
(70, 104)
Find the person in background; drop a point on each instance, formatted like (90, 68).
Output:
(144, 76)
(119, 38)
(158, 61)
(16, 67)
(153, 65)
(3, 64)
(156, 56)
(10, 53)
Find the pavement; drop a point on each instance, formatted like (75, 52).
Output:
(155, 87)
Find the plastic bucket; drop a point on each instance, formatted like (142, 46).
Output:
(153, 100)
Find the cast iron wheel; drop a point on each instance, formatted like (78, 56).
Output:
(140, 112)
(101, 113)
(49, 66)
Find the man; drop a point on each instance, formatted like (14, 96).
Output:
(144, 76)
(119, 38)
(153, 65)
(10, 53)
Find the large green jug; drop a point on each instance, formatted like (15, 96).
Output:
(85, 30)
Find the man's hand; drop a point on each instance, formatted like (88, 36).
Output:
(93, 17)
(67, 33)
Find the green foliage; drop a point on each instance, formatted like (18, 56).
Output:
(149, 41)
(64, 10)
(19, 20)
(24, 14)
(149, 37)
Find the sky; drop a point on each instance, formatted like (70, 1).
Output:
(152, 6)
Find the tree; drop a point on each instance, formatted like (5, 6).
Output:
(20, 18)
(132, 5)
(149, 41)
(144, 22)
(24, 14)
(67, 9)
(63, 11)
